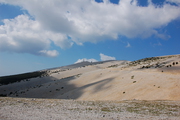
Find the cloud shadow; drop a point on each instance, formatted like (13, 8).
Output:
(51, 88)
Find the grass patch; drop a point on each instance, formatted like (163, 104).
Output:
(106, 109)
(116, 65)
(153, 108)
(89, 109)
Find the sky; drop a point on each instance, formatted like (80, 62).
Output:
(37, 35)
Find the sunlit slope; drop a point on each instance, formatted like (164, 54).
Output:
(156, 78)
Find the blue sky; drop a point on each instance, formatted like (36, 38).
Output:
(53, 33)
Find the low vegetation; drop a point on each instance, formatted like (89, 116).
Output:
(145, 61)
(17, 78)
(116, 65)
(154, 108)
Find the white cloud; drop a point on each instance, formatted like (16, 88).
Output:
(174, 1)
(85, 59)
(102, 57)
(105, 57)
(24, 35)
(67, 21)
(157, 44)
(128, 45)
(49, 53)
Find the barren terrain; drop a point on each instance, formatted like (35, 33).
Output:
(56, 109)
(117, 90)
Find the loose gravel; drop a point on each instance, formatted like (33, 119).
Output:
(57, 109)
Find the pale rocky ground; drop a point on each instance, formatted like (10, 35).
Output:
(147, 79)
(56, 109)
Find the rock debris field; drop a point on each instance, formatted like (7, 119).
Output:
(55, 109)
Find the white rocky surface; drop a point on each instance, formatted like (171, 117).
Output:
(56, 109)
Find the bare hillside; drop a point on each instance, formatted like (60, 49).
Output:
(156, 78)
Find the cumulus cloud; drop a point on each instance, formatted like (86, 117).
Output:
(86, 60)
(49, 53)
(105, 57)
(65, 22)
(22, 34)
